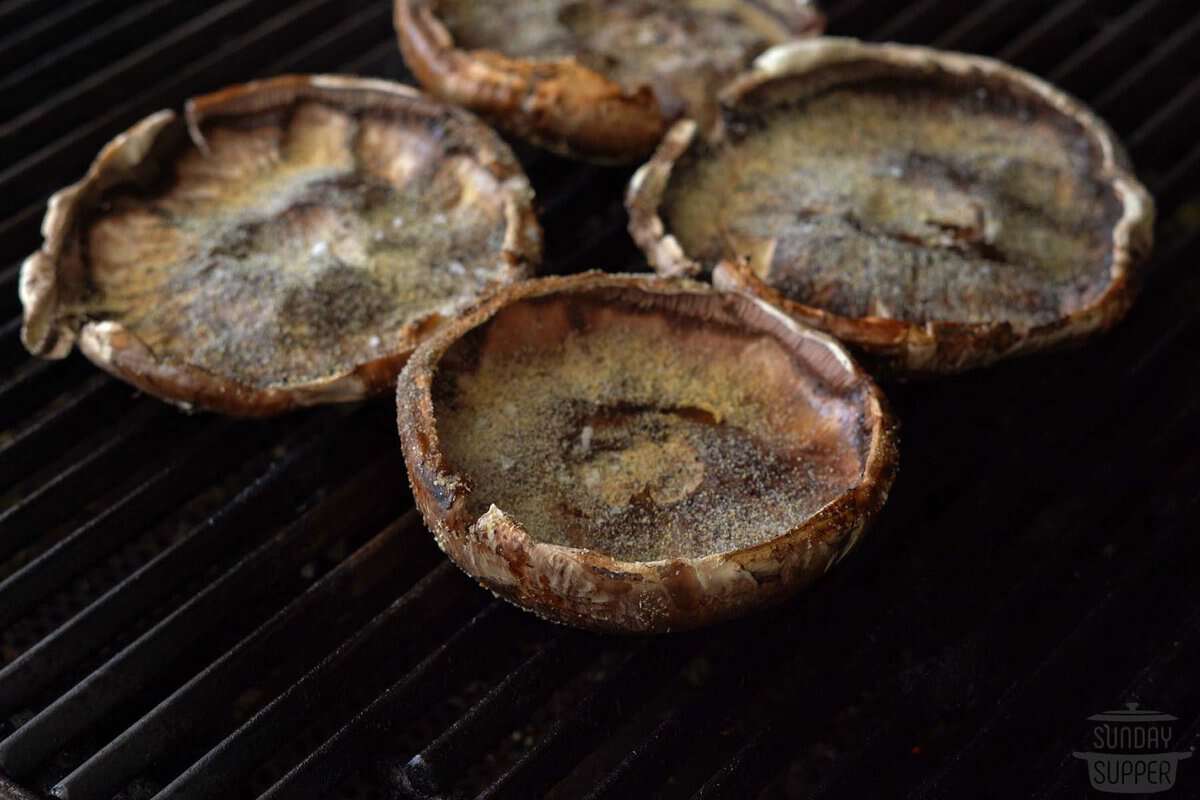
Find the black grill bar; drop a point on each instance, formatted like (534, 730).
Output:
(1047, 37)
(397, 554)
(23, 42)
(19, 236)
(1103, 58)
(168, 485)
(1175, 187)
(53, 501)
(29, 447)
(915, 18)
(639, 676)
(13, 352)
(990, 23)
(1143, 619)
(1134, 95)
(102, 40)
(1162, 131)
(447, 666)
(125, 673)
(101, 88)
(67, 158)
(358, 33)
(250, 509)
(434, 770)
(443, 596)
(22, 391)
(1168, 679)
(1023, 626)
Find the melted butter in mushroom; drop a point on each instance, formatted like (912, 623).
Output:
(905, 200)
(684, 51)
(298, 246)
(639, 435)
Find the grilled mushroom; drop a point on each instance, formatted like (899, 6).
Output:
(935, 210)
(630, 453)
(287, 243)
(596, 79)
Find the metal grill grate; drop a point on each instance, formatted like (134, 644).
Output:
(195, 607)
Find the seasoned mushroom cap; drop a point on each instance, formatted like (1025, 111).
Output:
(938, 211)
(637, 454)
(287, 243)
(596, 79)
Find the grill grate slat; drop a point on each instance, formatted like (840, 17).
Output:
(106, 36)
(990, 23)
(1135, 93)
(395, 553)
(1027, 617)
(54, 501)
(129, 670)
(571, 737)
(967, 511)
(440, 595)
(434, 770)
(29, 447)
(251, 508)
(168, 485)
(447, 665)
(65, 159)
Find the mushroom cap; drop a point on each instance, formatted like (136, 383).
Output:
(598, 79)
(936, 211)
(638, 454)
(288, 242)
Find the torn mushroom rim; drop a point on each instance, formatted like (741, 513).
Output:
(51, 279)
(914, 346)
(557, 103)
(839, 522)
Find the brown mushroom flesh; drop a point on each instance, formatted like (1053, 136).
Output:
(902, 185)
(594, 78)
(309, 230)
(670, 455)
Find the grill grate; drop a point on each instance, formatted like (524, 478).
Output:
(194, 607)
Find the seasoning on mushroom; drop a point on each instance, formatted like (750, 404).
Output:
(636, 454)
(288, 242)
(936, 211)
(595, 79)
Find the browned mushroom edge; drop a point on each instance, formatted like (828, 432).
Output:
(557, 104)
(898, 347)
(590, 589)
(53, 278)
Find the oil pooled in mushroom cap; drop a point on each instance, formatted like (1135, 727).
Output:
(905, 200)
(621, 440)
(297, 249)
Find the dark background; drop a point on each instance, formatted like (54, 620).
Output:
(183, 598)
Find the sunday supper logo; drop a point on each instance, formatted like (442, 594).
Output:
(1131, 752)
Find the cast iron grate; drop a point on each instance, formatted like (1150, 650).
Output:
(193, 607)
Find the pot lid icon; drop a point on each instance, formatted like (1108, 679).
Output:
(1131, 713)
